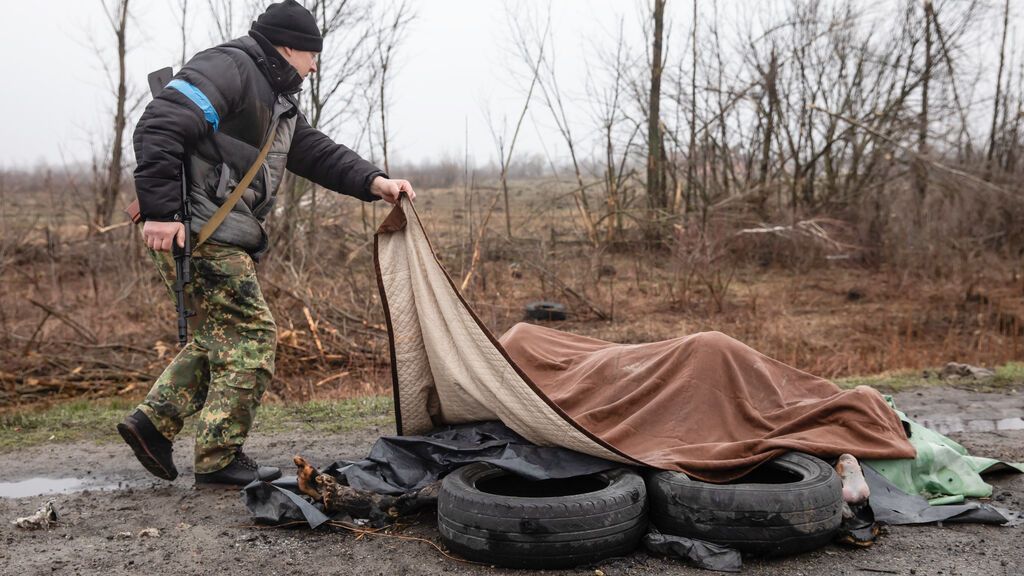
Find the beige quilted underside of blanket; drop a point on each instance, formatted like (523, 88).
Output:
(448, 368)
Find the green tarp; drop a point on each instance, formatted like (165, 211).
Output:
(943, 471)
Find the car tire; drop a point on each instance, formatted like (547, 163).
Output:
(545, 311)
(489, 515)
(788, 505)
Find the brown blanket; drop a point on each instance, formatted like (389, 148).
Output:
(703, 404)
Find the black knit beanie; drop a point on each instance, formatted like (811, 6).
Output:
(289, 24)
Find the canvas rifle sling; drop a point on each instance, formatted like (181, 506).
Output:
(211, 225)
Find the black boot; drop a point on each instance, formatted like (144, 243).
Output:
(150, 446)
(240, 472)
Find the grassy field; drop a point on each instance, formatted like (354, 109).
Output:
(94, 420)
(1010, 375)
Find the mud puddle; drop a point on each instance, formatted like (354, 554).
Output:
(42, 486)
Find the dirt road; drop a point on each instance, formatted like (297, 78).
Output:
(207, 532)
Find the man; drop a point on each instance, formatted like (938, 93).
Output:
(216, 114)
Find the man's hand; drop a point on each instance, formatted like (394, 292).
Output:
(160, 235)
(389, 189)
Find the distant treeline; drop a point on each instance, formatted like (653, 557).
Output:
(900, 119)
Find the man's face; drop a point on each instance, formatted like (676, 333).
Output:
(303, 61)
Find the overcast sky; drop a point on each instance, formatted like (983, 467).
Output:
(452, 69)
(452, 66)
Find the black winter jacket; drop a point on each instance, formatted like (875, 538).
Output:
(219, 108)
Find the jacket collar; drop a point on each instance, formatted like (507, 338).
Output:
(282, 76)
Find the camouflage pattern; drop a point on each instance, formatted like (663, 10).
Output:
(228, 362)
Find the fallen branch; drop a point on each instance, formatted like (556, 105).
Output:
(89, 346)
(305, 302)
(316, 334)
(78, 328)
(104, 229)
(330, 378)
(32, 339)
(807, 228)
(53, 359)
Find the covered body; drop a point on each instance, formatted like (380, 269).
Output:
(703, 404)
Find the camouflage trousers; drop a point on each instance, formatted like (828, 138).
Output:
(229, 361)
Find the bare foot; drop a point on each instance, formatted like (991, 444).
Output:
(855, 488)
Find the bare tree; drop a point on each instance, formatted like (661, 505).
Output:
(691, 181)
(343, 65)
(231, 17)
(505, 160)
(347, 29)
(110, 188)
(618, 134)
(999, 90)
(389, 37)
(529, 39)
(920, 172)
(656, 197)
(223, 13)
(183, 10)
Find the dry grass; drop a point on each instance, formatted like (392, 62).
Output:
(95, 420)
(86, 316)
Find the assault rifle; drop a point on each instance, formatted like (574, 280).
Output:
(182, 255)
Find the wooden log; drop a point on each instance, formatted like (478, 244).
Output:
(336, 496)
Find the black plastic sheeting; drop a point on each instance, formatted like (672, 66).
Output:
(698, 553)
(858, 528)
(400, 464)
(279, 503)
(894, 506)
